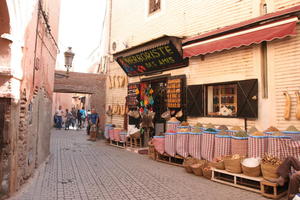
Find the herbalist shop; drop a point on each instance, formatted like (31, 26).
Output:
(153, 96)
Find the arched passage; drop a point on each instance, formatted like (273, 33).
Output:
(4, 28)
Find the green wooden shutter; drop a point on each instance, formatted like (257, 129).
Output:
(195, 101)
(247, 92)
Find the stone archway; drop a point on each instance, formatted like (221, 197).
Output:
(85, 83)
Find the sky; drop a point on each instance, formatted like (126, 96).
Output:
(81, 23)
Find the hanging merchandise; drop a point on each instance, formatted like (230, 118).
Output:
(109, 82)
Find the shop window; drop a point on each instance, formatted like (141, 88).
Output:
(222, 100)
(231, 99)
(154, 6)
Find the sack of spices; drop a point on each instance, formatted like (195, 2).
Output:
(207, 171)
(182, 144)
(197, 167)
(159, 143)
(251, 167)
(218, 163)
(257, 144)
(187, 164)
(233, 163)
(195, 145)
(170, 143)
(292, 132)
(208, 144)
(269, 166)
(222, 145)
(274, 142)
(239, 144)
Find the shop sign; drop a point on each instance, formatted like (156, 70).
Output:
(161, 58)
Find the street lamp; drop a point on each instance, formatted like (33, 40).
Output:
(69, 55)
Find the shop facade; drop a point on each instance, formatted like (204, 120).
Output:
(229, 78)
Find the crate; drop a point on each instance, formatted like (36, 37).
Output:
(273, 190)
(237, 180)
(177, 160)
(118, 144)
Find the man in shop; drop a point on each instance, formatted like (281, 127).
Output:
(93, 124)
(59, 114)
(284, 171)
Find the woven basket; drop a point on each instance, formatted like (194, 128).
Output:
(207, 173)
(251, 171)
(187, 164)
(219, 165)
(197, 169)
(233, 165)
(269, 171)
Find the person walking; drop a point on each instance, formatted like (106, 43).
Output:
(93, 123)
(68, 121)
(88, 124)
(59, 116)
(78, 120)
(83, 117)
(74, 116)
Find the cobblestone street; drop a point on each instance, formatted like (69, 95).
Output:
(79, 169)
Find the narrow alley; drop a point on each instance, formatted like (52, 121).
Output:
(80, 169)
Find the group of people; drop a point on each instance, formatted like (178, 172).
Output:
(78, 118)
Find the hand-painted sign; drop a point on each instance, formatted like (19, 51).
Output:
(160, 58)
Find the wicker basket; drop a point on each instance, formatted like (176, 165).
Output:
(219, 165)
(251, 171)
(233, 165)
(187, 164)
(207, 173)
(269, 171)
(197, 169)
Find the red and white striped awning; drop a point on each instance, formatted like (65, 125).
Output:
(255, 35)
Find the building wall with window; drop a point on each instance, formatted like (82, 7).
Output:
(189, 18)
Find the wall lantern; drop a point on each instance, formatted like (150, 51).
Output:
(69, 55)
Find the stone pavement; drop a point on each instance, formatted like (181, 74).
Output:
(80, 170)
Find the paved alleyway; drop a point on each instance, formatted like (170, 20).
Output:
(79, 169)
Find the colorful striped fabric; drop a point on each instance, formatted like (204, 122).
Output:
(290, 148)
(182, 144)
(257, 146)
(208, 145)
(111, 134)
(170, 143)
(274, 147)
(171, 127)
(195, 145)
(159, 144)
(117, 132)
(239, 145)
(123, 136)
(222, 145)
(295, 135)
(106, 130)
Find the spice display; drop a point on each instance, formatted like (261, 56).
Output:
(270, 159)
(292, 128)
(223, 127)
(211, 130)
(271, 129)
(251, 162)
(184, 123)
(241, 134)
(277, 133)
(236, 128)
(223, 133)
(210, 125)
(174, 93)
(257, 133)
(252, 130)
